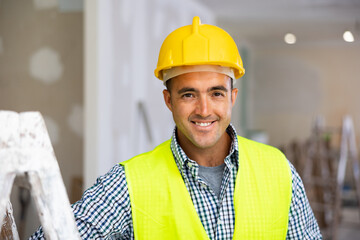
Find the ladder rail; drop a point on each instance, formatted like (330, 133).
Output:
(26, 151)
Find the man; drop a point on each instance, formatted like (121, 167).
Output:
(205, 182)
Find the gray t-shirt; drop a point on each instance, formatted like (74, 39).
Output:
(213, 177)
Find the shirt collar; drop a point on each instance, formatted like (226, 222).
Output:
(183, 161)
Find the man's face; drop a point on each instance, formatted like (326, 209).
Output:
(201, 104)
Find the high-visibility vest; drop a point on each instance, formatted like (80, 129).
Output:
(162, 207)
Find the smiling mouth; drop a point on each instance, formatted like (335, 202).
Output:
(203, 124)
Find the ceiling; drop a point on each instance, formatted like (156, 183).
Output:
(266, 21)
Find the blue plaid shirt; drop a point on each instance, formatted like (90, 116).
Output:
(104, 212)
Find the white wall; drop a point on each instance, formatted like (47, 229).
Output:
(122, 41)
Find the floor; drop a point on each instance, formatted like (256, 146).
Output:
(350, 225)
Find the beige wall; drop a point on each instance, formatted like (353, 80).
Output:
(293, 84)
(41, 69)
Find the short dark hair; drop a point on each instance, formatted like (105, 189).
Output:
(168, 84)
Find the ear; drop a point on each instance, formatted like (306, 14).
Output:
(167, 99)
(234, 93)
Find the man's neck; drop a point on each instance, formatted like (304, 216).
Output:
(208, 157)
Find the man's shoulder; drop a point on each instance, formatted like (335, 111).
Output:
(257, 146)
(161, 150)
(115, 173)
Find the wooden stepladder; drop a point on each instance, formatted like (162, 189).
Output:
(26, 153)
(319, 176)
(323, 170)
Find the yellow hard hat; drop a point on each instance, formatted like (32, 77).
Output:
(199, 44)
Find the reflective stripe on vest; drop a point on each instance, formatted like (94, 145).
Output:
(162, 207)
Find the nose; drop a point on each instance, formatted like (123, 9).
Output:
(203, 106)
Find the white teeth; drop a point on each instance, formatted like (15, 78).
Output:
(203, 124)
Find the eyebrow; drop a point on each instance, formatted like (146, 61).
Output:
(189, 89)
(221, 88)
(186, 89)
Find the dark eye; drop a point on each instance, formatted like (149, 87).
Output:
(218, 94)
(187, 95)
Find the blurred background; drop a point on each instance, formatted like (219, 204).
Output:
(87, 66)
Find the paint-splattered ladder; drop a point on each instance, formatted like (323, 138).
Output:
(26, 153)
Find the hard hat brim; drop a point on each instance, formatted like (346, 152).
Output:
(176, 71)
